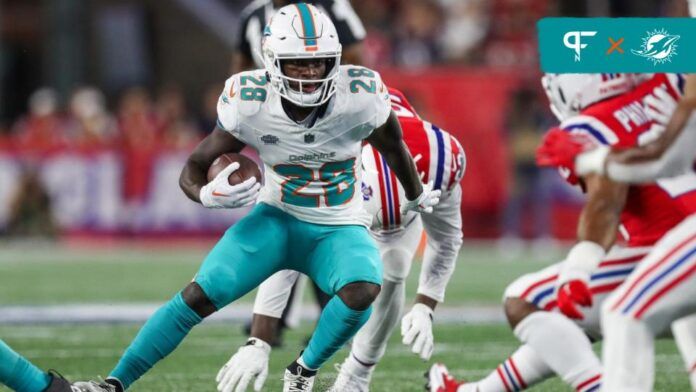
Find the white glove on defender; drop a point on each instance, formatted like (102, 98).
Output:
(220, 194)
(251, 360)
(423, 203)
(417, 329)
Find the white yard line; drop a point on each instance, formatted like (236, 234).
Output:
(138, 313)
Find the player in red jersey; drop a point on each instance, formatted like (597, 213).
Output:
(662, 289)
(553, 311)
(440, 160)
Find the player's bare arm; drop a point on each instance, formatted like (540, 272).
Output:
(599, 222)
(388, 140)
(599, 219)
(194, 175)
(264, 327)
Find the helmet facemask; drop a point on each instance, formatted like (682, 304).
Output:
(293, 89)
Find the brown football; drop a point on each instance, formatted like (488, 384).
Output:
(247, 168)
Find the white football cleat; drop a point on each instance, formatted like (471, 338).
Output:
(94, 386)
(439, 380)
(297, 378)
(348, 380)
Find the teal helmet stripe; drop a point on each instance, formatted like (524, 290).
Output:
(307, 24)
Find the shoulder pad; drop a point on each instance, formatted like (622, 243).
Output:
(367, 93)
(591, 126)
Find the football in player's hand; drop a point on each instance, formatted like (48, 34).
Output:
(247, 168)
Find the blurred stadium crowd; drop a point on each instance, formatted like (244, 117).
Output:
(138, 77)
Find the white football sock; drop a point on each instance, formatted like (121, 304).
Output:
(370, 342)
(684, 331)
(352, 365)
(563, 346)
(523, 369)
(627, 354)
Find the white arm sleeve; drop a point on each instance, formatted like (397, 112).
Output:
(678, 159)
(274, 293)
(444, 231)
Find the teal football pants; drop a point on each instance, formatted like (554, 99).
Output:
(269, 240)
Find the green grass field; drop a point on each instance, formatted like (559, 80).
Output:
(40, 275)
(48, 275)
(470, 351)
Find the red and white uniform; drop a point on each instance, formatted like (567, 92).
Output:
(439, 158)
(651, 210)
(621, 122)
(673, 260)
(661, 291)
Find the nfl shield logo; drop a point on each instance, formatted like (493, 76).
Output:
(309, 138)
(269, 139)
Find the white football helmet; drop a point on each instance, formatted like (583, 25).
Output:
(570, 93)
(301, 31)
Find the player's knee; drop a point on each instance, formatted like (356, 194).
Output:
(451, 245)
(396, 266)
(197, 300)
(359, 295)
(517, 309)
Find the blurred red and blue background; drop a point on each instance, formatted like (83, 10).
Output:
(101, 101)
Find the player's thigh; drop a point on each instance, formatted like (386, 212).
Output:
(397, 250)
(663, 287)
(248, 253)
(274, 293)
(343, 255)
(539, 288)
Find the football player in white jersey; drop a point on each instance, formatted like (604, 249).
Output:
(398, 237)
(663, 287)
(308, 117)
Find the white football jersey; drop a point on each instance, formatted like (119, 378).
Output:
(312, 171)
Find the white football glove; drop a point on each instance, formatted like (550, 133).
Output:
(660, 105)
(417, 330)
(424, 202)
(251, 360)
(220, 194)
